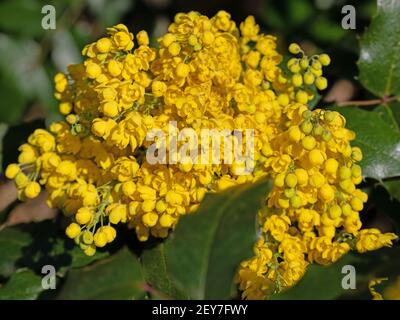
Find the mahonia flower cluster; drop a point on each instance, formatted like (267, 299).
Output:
(205, 73)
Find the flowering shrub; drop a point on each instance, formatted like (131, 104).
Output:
(206, 73)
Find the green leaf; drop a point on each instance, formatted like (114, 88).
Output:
(110, 13)
(395, 108)
(23, 285)
(155, 272)
(12, 241)
(13, 102)
(3, 130)
(206, 248)
(379, 142)
(21, 16)
(325, 30)
(393, 187)
(117, 277)
(325, 282)
(386, 113)
(299, 11)
(23, 74)
(37, 244)
(379, 61)
(319, 282)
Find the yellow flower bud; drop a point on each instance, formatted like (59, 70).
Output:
(104, 45)
(294, 48)
(294, 133)
(158, 88)
(110, 233)
(295, 201)
(73, 230)
(128, 188)
(324, 59)
(331, 165)
(32, 190)
(114, 68)
(93, 70)
(308, 142)
(161, 206)
(356, 204)
(148, 205)
(302, 176)
(87, 237)
(100, 239)
(84, 215)
(346, 209)
(347, 185)
(208, 38)
(21, 180)
(356, 171)
(301, 97)
(344, 173)
(182, 70)
(306, 126)
(280, 180)
(309, 78)
(291, 180)
(317, 180)
(150, 219)
(356, 154)
(321, 83)
(316, 157)
(326, 193)
(166, 221)
(335, 212)
(297, 80)
(168, 39)
(12, 170)
(174, 48)
(65, 108)
(283, 99)
(90, 250)
(142, 38)
(109, 108)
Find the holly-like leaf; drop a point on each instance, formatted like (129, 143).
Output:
(330, 282)
(379, 61)
(318, 283)
(117, 277)
(206, 248)
(385, 111)
(12, 242)
(393, 187)
(395, 108)
(155, 271)
(23, 285)
(37, 244)
(379, 142)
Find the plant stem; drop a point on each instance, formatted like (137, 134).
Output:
(364, 103)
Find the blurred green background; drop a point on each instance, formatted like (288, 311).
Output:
(31, 55)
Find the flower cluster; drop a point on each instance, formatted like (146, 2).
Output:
(206, 73)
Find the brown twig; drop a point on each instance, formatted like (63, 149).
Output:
(364, 103)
